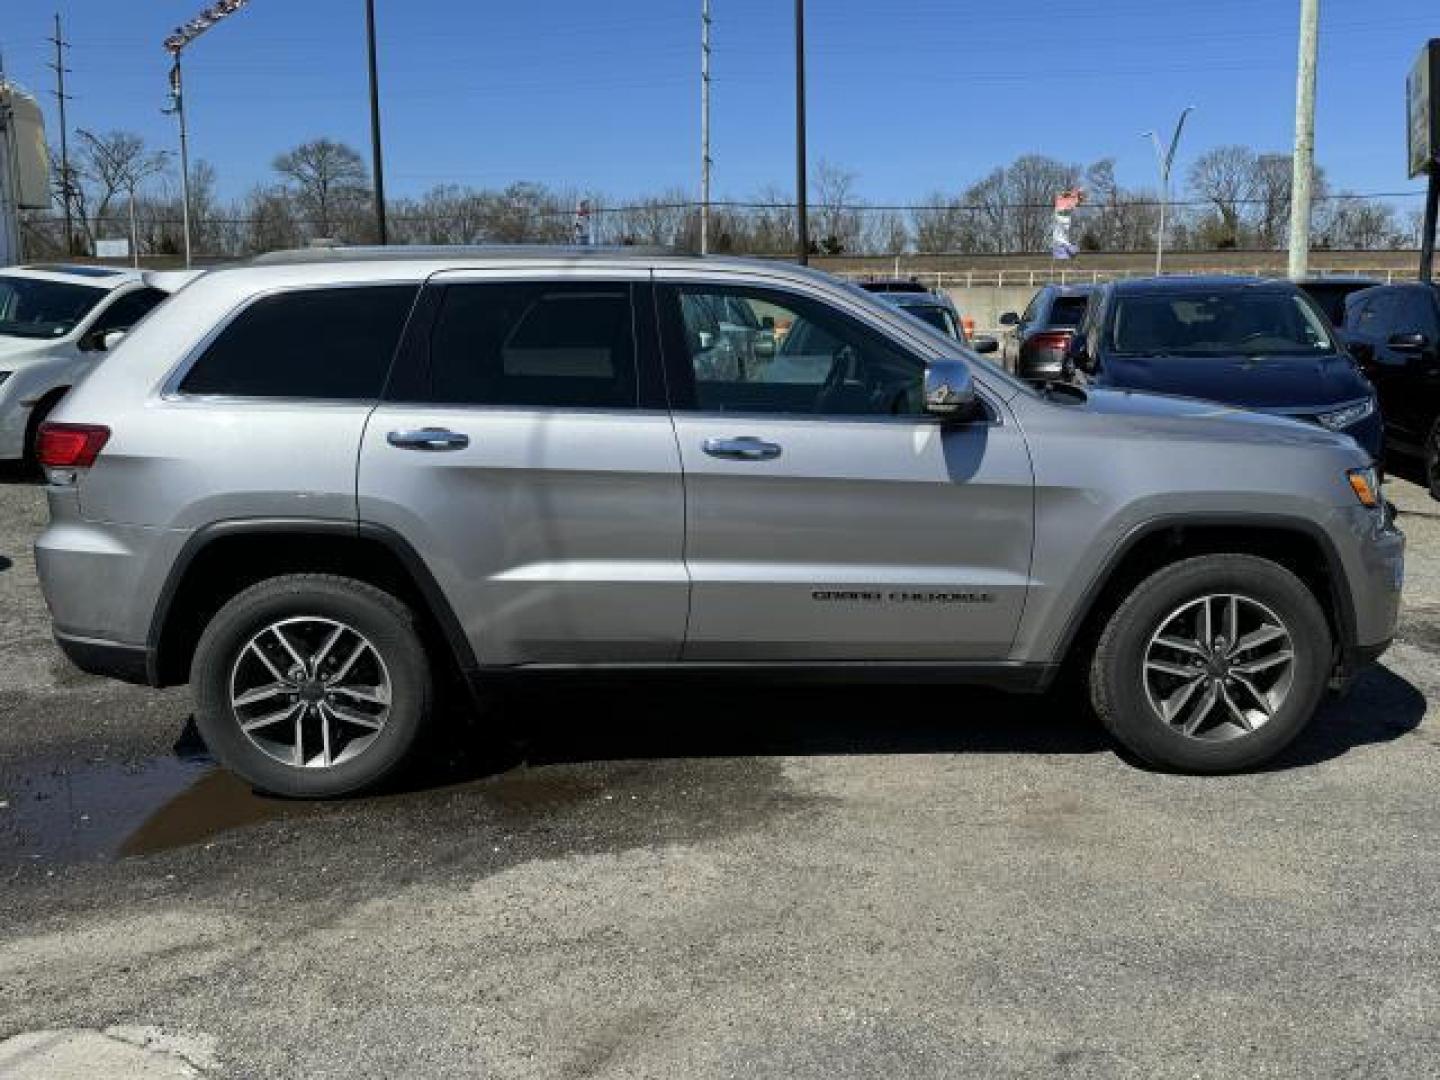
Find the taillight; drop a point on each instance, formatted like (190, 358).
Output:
(70, 446)
(1050, 341)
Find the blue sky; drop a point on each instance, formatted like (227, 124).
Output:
(913, 95)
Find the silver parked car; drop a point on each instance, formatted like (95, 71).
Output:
(321, 487)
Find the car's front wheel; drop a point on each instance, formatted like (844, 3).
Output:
(1213, 664)
(1432, 460)
(312, 686)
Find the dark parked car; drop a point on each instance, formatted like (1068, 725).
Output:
(1331, 293)
(1394, 331)
(1256, 344)
(930, 306)
(1036, 341)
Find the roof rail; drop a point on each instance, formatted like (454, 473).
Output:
(401, 252)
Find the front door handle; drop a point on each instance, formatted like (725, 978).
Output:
(741, 448)
(432, 439)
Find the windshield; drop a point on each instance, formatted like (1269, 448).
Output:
(938, 317)
(32, 308)
(1225, 323)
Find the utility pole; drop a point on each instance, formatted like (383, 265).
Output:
(66, 193)
(1300, 187)
(376, 153)
(704, 127)
(802, 223)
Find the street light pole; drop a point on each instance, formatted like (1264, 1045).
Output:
(802, 224)
(704, 127)
(175, 44)
(1165, 161)
(177, 97)
(1304, 165)
(377, 155)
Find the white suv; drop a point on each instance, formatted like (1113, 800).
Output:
(55, 324)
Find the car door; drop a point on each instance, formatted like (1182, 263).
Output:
(524, 450)
(1412, 368)
(1375, 319)
(827, 517)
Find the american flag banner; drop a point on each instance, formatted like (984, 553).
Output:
(1061, 246)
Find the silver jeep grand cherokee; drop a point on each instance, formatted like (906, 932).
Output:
(323, 486)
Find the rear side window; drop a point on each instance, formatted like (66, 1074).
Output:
(334, 344)
(536, 344)
(1068, 310)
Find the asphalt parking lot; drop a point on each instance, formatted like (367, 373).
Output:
(916, 882)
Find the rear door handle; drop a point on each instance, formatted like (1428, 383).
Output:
(741, 448)
(432, 439)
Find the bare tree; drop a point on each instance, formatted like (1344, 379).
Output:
(1225, 179)
(111, 165)
(1350, 223)
(329, 180)
(837, 221)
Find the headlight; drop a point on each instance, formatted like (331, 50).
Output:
(1348, 416)
(1366, 485)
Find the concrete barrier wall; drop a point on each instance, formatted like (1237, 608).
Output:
(986, 303)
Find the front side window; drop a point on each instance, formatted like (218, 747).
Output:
(332, 344)
(534, 344)
(1227, 323)
(791, 354)
(1375, 315)
(34, 308)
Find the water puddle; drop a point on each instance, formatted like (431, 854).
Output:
(76, 814)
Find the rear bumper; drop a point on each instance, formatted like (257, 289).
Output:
(109, 659)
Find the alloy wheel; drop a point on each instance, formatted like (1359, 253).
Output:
(1219, 667)
(310, 692)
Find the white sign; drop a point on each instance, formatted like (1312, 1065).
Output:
(112, 249)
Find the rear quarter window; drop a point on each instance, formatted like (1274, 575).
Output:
(332, 344)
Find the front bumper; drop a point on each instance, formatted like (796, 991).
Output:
(108, 659)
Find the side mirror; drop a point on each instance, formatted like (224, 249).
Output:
(1409, 343)
(949, 389)
(113, 338)
(984, 343)
(1078, 354)
(1009, 319)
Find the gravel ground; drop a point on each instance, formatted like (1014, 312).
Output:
(917, 882)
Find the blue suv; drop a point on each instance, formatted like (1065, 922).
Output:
(1247, 342)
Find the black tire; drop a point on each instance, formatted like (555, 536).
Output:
(38, 415)
(1432, 460)
(1117, 671)
(387, 625)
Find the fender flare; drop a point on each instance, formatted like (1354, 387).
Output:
(437, 603)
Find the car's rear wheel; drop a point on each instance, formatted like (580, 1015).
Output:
(312, 686)
(1213, 664)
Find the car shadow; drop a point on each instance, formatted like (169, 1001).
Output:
(548, 727)
(1379, 707)
(18, 473)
